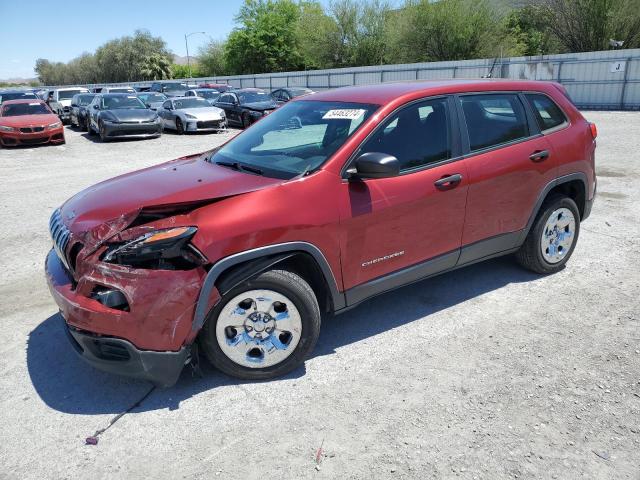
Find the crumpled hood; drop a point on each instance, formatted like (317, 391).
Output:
(133, 114)
(261, 106)
(110, 206)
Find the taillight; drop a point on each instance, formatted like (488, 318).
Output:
(594, 130)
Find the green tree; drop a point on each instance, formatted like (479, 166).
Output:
(444, 30)
(588, 25)
(211, 59)
(526, 32)
(265, 40)
(317, 33)
(182, 71)
(123, 59)
(156, 67)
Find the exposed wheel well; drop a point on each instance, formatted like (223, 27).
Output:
(573, 189)
(300, 263)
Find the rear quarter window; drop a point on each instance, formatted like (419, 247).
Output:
(547, 113)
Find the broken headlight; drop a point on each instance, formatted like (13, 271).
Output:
(160, 249)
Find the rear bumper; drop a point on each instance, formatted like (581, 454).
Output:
(118, 356)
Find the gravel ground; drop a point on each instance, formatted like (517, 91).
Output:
(489, 372)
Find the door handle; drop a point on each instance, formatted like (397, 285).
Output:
(449, 181)
(539, 155)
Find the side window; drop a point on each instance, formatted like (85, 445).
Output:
(547, 113)
(226, 98)
(494, 119)
(417, 135)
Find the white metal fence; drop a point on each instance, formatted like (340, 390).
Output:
(595, 80)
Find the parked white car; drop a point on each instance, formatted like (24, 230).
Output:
(59, 101)
(192, 114)
(120, 89)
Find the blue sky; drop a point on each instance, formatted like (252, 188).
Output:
(60, 31)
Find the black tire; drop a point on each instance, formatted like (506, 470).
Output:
(530, 254)
(179, 126)
(102, 132)
(246, 120)
(90, 131)
(299, 292)
(84, 125)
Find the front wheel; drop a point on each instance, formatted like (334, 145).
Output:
(102, 132)
(552, 237)
(263, 328)
(246, 120)
(179, 126)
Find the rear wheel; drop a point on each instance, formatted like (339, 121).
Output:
(262, 328)
(552, 237)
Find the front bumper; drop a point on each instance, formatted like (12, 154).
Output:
(155, 330)
(205, 125)
(121, 357)
(132, 130)
(12, 139)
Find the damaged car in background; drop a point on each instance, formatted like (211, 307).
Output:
(330, 200)
(119, 115)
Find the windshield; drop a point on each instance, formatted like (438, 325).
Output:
(4, 96)
(122, 90)
(252, 97)
(152, 97)
(208, 94)
(84, 99)
(25, 109)
(172, 87)
(67, 94)
(297, 138)
(124, 101)
(191, 102)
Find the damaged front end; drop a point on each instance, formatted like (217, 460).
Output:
(128, 289)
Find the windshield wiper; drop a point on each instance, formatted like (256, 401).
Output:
(240, 167)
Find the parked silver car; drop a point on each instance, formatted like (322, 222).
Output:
(192, 114)
(120, 89)
(209, 94)
(153, 100)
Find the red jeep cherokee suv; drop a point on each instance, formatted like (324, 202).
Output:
(326, 202)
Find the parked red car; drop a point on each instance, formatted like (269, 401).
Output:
(29, 122)
(330, 200)
(221, 87)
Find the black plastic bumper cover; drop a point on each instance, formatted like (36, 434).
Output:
(115, 355)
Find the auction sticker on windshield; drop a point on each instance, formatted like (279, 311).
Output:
(344, 114)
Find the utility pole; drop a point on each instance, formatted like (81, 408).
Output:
(186, 44)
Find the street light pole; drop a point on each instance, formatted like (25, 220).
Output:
(186, 44)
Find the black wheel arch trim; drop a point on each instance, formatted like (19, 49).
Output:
(545, 191)
(272, 254)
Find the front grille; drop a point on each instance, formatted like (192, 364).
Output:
(31, 129)
(208, 124)
(60, 235)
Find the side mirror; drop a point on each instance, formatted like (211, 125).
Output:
(148, 105)
(375, 165)
(96, 107)
(74, 105)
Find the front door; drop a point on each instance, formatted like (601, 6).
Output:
(391, 224)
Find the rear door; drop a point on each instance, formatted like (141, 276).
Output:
(509, 163)
(390, 224)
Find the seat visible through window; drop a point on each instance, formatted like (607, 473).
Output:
(418, 135)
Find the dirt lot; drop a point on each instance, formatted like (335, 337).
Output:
(489, 372)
